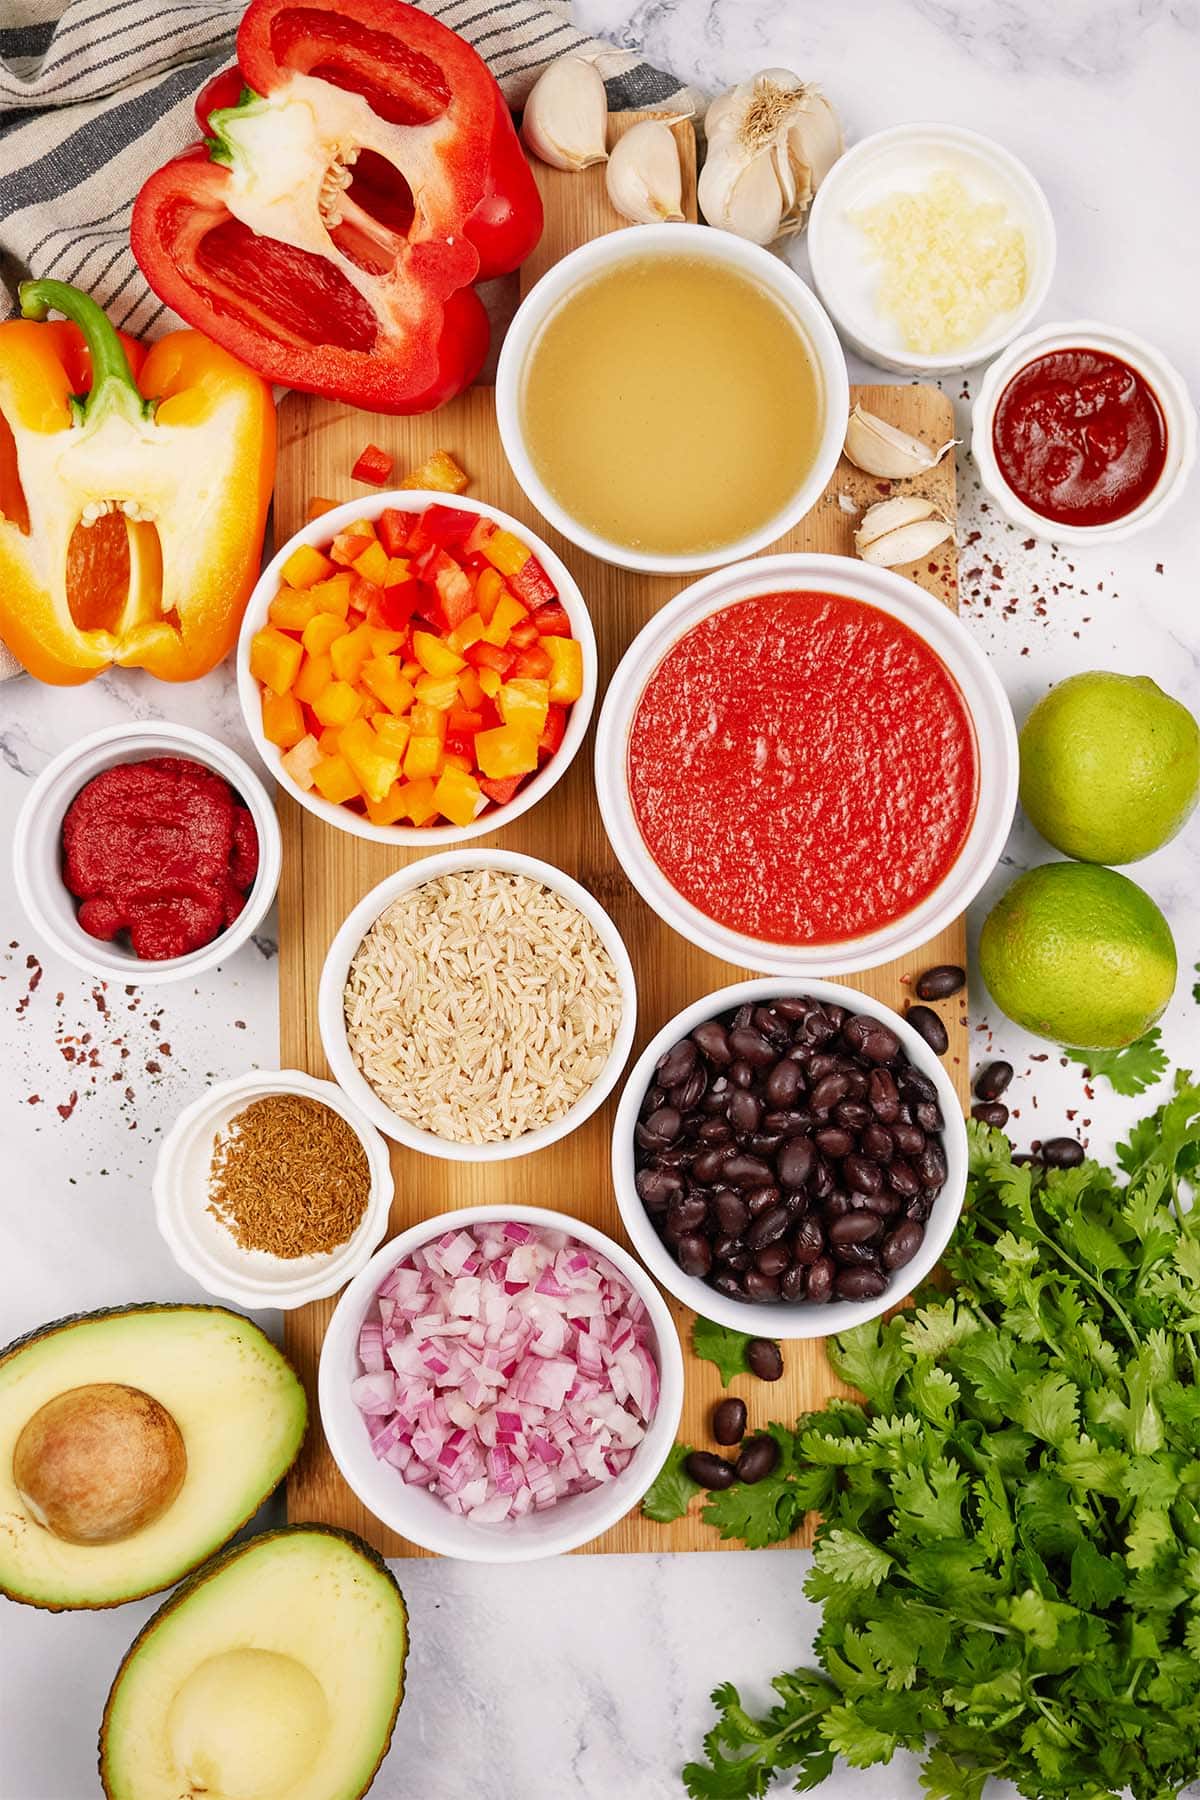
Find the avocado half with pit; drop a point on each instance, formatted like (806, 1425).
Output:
(134, 1443)
(273, 1673)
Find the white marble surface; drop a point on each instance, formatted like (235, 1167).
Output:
(588, 1678)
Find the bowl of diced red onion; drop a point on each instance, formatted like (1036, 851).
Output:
(501, 1383)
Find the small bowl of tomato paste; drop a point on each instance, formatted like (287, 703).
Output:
(806, 765)
(1083, 433)
(147, 853)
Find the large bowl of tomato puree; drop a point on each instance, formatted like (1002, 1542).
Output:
(806, 765)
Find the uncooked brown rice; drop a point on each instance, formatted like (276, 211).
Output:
(481, 1006)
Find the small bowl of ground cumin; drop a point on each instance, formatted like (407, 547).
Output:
(272, 1189)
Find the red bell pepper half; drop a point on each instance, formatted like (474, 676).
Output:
(360, 171)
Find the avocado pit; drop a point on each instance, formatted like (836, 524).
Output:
(98, 1463)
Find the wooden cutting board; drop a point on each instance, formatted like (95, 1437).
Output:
(325, 872)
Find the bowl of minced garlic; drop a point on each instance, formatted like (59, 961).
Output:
(272, 1189)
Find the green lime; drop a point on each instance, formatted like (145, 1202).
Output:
(1110, 767)
(1078, 954)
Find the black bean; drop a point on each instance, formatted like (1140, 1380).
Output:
(708, 1165)
(759, 1287)
(793, 1282)
(741, 1017)
(794, 1161)
(746, 1171)
(940, 983)
(757, 1459)
(827, 1092)
(741, 1074)
(677, 1063)
(764, 1143)
(858, 1284)
(732, 1213)
(712, 1472)
(929, 1116)
(920, 1207)
(1062, 1153)
(926, 1023)
(872, 1039)
(991, 1112)
(808, 1240)
(821, 1183)
(751, 1046)
(773, 1259)
(992, 1080)
(862, 1175)
(821, 1065)
(931, 1166)
(717, 1097)
(765, 1359)
(901, 1177)
(713, 1040)
(794, 1006)
(686, 1215)
(729, 1420)
(658, 1187)
(883, 1096)
(915, 1086)
(856, 1228)
(731, 1249)
(761, 1199)
(694, 1254)
(909, 1139)
(743, 1112)
(901, 1245)
(767, 1227)
(831, 1140)
(820, 1280)
(884, 1203)
(784, 1083)
(836, 1206)
(775, 1029)
(852, 1115)
(727, 1283)
(689, 1092)
(714, 1132)
(878, 1143)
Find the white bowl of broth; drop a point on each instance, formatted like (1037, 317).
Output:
(672, 398)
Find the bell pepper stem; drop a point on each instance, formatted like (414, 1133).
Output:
(113, 388)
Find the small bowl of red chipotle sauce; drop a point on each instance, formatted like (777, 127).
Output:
(1083, 433)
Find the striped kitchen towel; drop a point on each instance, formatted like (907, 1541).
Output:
(94, 94)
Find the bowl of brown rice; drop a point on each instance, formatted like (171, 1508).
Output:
(477, 1005)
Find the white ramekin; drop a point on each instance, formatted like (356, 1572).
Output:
(420, 1516)
(688, 241)
(845, 273)
(795, 1319)
(321, 531)
(332, 1018)
(206, 1250)
(1160, 375)
(37, 850)
(941, 630)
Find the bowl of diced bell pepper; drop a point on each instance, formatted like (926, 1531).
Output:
(416, 668)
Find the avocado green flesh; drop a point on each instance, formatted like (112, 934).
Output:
(240, 1409)
(274, 1674)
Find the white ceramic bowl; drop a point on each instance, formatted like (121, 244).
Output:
(937, 626)
(795, 1319)
(420, 1516)
(37, 850)
(206, 1250)
(1160, 375)
(688, 241)
(332, 1019)
(322, 531)
(845, 272)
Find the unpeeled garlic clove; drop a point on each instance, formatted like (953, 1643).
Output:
(882, 449)
(771, 142)
(901, 530)
(644, 176)
(565, 122)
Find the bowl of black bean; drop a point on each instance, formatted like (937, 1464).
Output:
(789, 1149)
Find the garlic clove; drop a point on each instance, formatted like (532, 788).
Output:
(565, 122)
(785, 131)
(901, 530)
(739, 195)
(882, 449)
(644, 177)
(814, 142)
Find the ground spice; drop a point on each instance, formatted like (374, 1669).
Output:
(289, 1176)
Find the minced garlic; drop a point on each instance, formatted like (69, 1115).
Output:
(950, 264)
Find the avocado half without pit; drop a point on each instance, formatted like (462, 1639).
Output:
(134, 1443)
(273, 1673)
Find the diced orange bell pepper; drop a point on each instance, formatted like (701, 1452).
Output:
(439, 472)
(435, 657)
(469, 688)
(410, 669)
(383, 679)
(490, 682)
(437, 690)
(335, 780)
(418, 800)
(505, 551)
(337, 704)
(524, 704)
(372, 565)
(385, 642)
(313, 678)
(329, 742)
(566, 680)
(397, 572)
(464, 719)
(350, 544)
(488, 589)
(392, 733)
(371, 764)
(509, 612)
(428, 721)
(502, 791)
(282, 720)
(422, 758)
(320, 632)
(391, 809)
(301, 760)
(305, 567)
(333, 595)
(506, 751)
(466, 634)
(457, 796)
(349, 653)
(275, 658)
(291, 610)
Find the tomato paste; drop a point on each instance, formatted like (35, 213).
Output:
(161, 849)
(803, 768)
(1080, 437)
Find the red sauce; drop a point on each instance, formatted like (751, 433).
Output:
(803, 768)
(162, 851)
(1080, 437)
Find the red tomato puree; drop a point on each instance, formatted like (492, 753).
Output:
(1080, 437)
(802, 768)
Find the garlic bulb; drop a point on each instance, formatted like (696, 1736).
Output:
(882, 449)
(901, 531)
(644, 177)
(565, 122)
(771, 142)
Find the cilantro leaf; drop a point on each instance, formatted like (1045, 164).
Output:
(871, 1358)
(1129, 1070)
(765, 1512)
(721, 1345)
(670, 1493)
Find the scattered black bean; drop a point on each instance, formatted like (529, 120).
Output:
(757, 1459)
(1062, 1153)
(712, 1472)
(926, 1023)
(901, 1245)
(764, 1356)
(940, 983)
(992, 1080)
(991, 1112)
(729, 1420)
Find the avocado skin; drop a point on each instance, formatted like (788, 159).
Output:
(230, 1555)
(68, 1323)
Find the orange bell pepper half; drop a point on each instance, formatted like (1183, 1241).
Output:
(131, 515)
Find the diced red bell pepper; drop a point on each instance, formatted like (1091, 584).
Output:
(490, 656)
(394, 528)
(465, 719)
(478, 536)
(550, 620)
(396, 605)
(454, 589)
(364, 594)
(502, 790)
(531, 584)
(523, 635)
(374, 466)
(461, 743)
(554, 731)
(449, 526)
(534, 663)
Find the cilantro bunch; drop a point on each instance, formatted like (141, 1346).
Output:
(1009, 1556)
